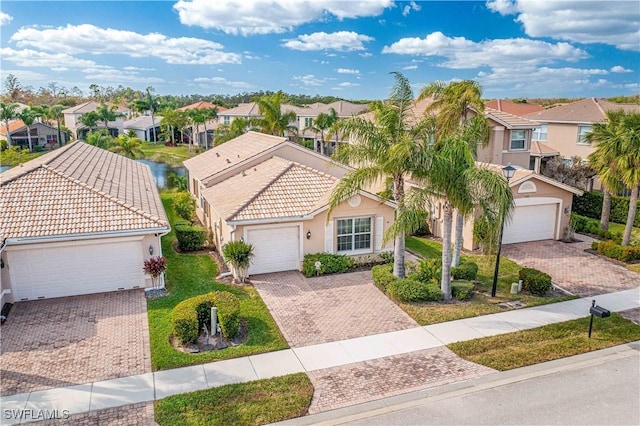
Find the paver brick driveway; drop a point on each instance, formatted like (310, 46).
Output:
(326, 309)
(72, 340)
(572, 268)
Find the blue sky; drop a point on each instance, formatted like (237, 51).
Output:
(345, 48)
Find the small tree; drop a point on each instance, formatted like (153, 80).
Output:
(238, 254)
(185, 206)
(155, 266)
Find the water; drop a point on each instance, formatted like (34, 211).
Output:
(160, 171)
(4, 168)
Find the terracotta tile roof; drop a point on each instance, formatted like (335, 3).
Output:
(590, 110)
(54, 186)
(513, 107)
(274, 189)
(539, 149)
(509, 120)
(14, 125)
(203, 105)
(230, 153)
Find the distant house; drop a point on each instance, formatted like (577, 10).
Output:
(513, 108)
(72, 119)
(209, 127)
(42, 134)
(77, 220)
(143, 127)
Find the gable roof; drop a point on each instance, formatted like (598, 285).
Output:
(519, 109)
(274, 189)
(90, 106)
(227, 155)
(143, 122)
(590, 110)
(538, 149)
(522, 175)
(510, 121)
(79, 189)
(202, 105)
(244, 109)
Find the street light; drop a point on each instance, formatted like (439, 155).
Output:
(508, 171)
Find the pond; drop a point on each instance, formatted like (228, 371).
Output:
(161, 171)
(4, 168)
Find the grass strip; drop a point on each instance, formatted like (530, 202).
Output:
(553, 341)
(253, 403)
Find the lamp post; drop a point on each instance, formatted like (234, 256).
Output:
(508, 172)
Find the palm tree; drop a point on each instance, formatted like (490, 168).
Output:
(173, 119)
(107, 113)
(127, 146)
(322, 124)
(90, 120)
(226, 132)
(198, 117)
(629, 166)
(100, 138)
(608, 137)
(385, 149)
(28, 117)
(55, 113)
(8, 112)
(458, 105)
(273, 120)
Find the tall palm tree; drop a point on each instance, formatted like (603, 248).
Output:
(107, 113)
(90, 120)
(55, 113)
(322, 124)
(226, 132)
(273, 120)
(172, 120)
(198, 117)
(385, 149)
(28, 117)
(608, 137)
(629, 166)
(457, 106)
(8, 112)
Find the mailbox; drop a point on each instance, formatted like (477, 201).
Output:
(600, 312)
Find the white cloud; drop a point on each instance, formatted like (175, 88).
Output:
(310, 80)
(220, 81)
(5, 18)
(410, 67)
(366, 54)
(59, 69)
(347, 71)
(411, 6)
(620, 69)
(462, 53)
(109, 75)
(348, 84)
(250, 17)
(86, 38)
(25, 75)
(340, 40)
(33, 58)
(615, 22)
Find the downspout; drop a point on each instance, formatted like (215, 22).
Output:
(6, 290)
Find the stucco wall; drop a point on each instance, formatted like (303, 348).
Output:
(564, 139)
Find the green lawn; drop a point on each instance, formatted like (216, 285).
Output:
(481, 304)
(554, 341)
(173, 155)
(253, 403)
(10, 157)
(189, 275)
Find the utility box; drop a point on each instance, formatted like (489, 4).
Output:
(600, 312)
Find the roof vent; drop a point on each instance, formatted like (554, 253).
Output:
(238, 155)
(243, 173)
(228, 161)
(217, 154)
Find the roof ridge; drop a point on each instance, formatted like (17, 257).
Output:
(602, 111)
(316, 171)
(38, 162)
(262, 190)
(105, 195)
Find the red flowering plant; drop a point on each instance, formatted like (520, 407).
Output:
(155, 266)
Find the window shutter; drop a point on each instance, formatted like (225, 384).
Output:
(379, 232)
(328, 237)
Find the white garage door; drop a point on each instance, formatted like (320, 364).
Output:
(275, 249)
(531, 223)
(38, 272)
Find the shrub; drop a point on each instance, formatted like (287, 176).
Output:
(154, 267)
(465, 271)
(238, 254)
(590, 205)
(616, 251)
(329, 264)
(184, 205)
(409, 290)
(462, 290)
(535, 282)
(387, 256)
(188, 316)
(382, 275)
(190, 238)
(429, 270)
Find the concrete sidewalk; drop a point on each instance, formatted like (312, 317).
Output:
(153, 386)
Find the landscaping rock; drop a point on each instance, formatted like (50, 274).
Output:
(192, 348)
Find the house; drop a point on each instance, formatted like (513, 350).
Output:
(520, 109)
(77, 220)
(72, 119)
(144, 127)
(42, 134)
(542, 210)
(274, 194)
(208, 127)
(563, 128)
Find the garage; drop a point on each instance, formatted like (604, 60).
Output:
(57, 270)
(275, 248)
(531, 223)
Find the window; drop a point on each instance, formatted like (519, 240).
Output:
(540, 133)
(582, 131)
(308, 122)
(518, 141)
(226, 120)
(354, 234)
(202, 201)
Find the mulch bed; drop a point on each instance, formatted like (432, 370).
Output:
(204, 346)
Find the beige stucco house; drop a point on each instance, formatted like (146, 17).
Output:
(77, 220)
(274, 194)
(74, 124)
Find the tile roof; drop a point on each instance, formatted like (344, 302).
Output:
(230, 153)
(590, 110)
(274, 189)
(509, 120)
(248, 109)
(142, 123)
(14, 125)
(202, 105)
(91, 106)
(521, 175)
(514, 108)
(78, 188)
(538, 149)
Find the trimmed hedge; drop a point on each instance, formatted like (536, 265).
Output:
(586, 225)
(329, 264)
(188, 316)
(535, 282)
(382, 276)
(410, 290)
(590, 205)
(462, 290)
(465, 271)
(616, 251)
(190, 238)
